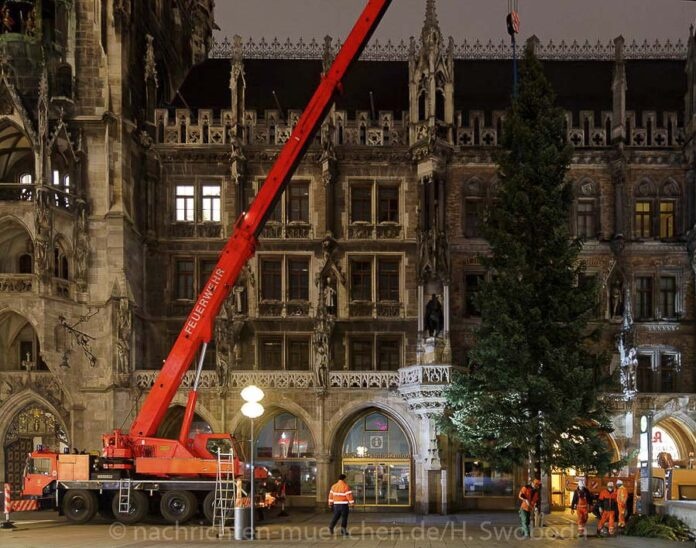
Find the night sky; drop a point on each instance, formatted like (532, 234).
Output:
(462, 19)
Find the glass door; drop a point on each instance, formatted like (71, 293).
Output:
(379, 483)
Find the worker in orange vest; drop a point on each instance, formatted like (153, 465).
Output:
(529, 498)
(582, 499)
(621, 500)
(340, 500)
(607, 500)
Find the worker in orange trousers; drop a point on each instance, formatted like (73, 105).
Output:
(607, 500)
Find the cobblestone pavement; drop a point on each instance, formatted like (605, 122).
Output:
(381, 530)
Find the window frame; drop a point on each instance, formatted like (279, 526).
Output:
(376, 342)
(197, 205)
(369, 209)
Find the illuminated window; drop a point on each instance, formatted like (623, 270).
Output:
(184, 202)
(667, 219)
(210, 203)
(643, 219)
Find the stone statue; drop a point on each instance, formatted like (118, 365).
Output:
(434, 316)
(616, 300)
(329, 297)
(124, 334)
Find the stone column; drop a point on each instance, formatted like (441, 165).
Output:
(323, 479)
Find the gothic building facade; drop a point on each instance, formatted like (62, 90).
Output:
(128, 156)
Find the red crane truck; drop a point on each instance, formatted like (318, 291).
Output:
(180, 473)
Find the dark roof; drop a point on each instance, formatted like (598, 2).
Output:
(655, 85)
(479, 85)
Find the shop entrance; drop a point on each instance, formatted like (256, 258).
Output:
(379, 482)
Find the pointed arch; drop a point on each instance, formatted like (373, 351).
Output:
(15, 244)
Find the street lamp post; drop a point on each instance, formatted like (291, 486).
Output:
(252, 409)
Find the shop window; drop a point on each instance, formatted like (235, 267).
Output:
(481, 480)
(285, 447)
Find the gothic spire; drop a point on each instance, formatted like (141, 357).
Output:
(431, 27)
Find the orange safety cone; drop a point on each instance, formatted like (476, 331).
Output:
(7, 524)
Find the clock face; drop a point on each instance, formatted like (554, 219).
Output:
(643, 423)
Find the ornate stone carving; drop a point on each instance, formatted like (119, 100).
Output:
(389, 51)
(124, 330)
(150, 65)
(43, 222)
(81, 246)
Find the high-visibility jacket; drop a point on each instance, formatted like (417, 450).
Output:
(622, 496)
(529, 497)
(340, 493)
(608, 500)
(581, 499)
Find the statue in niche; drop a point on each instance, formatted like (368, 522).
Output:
(434, 316)
(329, 297)
(616, 300)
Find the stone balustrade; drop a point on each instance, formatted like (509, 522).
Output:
(364, 379)
(145, 379)
(423, 386)
(17, 283)
(273, 379)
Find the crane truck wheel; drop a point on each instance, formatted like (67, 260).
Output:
(178, 506)
(80, 505)
(139, 506)
(208, 509)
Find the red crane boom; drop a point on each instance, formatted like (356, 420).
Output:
(198, 328)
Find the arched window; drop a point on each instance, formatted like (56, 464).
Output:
(377, 461)
(60, 264)
(285, 447)
(26, 264)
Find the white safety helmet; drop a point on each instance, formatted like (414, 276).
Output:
(581, 484)
(619, 482)
(610, 484)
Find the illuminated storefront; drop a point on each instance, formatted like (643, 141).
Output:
(377, 462)
(285, 446)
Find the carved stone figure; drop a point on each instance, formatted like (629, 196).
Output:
(434, 316)
(616, 300)
(329, 297)
(5, 391)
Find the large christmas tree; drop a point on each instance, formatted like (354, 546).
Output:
(531, 393)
